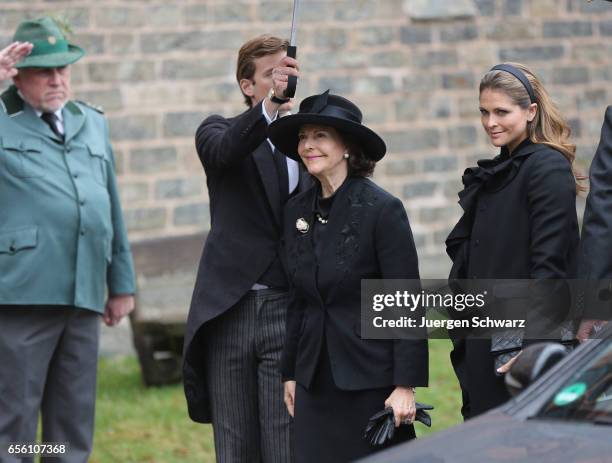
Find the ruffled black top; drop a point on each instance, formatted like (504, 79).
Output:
(489, 175)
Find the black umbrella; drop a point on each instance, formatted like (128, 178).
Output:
(292, 50)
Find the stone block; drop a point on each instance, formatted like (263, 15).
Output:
(119, 17)
(276, 11)
(196, 69)
(435, 58)
(411, 140)
(121, 71)
(78, 18)
(132, 192)
(468, 107)
(119, 156)
(418, 189)
(594, 7)
(459, 80)
(590, 99)
(440, 164)
(558, 29)
(390, 59)
(163, 15)
(340, 85)
(123, 44)
(216, 92)
(179, 188)
(108, 100)
(512, 7)
(411, 107)
(374, 35)
(508, 29)
(570, 75)
(133, 127)
(590, 53)
(330, 38)
(429, 215)
(354, 10)
(398, 167)
(439, 9)
(152, 160)
(451, 188)
(191, 41)
(145, 218)
(192, 214)
(182, 124)
(197, 14)
(232, 12)
(414, 34)
(537, 53)
(330, 60)
(458, 33)
(421, 82)
(576, 127)
(485, 7)
(93, 44)
(461, 136)
(546, 9)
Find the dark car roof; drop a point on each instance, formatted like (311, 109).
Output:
(509, 433)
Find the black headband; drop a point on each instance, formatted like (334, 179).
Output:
(519, 75)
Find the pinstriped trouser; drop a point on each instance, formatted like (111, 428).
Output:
(243, 347)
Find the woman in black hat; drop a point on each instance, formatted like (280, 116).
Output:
(344, 229)
(519, 223)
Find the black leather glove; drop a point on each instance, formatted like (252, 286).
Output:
(381, 425)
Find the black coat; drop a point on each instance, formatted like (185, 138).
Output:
(369, 237)
(245, 231)
(519, 222)
(595, 261)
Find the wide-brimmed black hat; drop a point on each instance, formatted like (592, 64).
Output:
(327, 110)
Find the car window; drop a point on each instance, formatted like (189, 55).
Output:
(587, 395)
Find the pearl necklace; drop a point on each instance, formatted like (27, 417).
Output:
(321, 219)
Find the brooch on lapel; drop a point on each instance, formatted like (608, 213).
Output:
(301, 225)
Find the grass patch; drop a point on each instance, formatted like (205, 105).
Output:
(151, 425)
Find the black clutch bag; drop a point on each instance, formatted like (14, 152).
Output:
(381, 425)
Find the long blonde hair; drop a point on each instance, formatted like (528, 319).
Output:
(548, 127)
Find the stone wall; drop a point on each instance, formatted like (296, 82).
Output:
(158, 68)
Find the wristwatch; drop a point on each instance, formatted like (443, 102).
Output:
(275, 99)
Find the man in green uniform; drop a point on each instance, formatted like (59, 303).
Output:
(63, 243)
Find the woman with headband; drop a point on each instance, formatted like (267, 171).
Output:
(519, 223)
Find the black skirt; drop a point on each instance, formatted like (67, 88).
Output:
(329, 422)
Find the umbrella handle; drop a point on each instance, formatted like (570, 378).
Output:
(292, 80)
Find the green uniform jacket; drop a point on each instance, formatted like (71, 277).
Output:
(62, 236)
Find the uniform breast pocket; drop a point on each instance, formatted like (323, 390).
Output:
(22, 158)
(99, 163)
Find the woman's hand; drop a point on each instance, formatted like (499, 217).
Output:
(290, 396)
(505, 368)
(401, 401)
(10, 56)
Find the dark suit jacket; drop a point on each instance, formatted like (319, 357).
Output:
(596, 241)
(370, 237)
(245, 231)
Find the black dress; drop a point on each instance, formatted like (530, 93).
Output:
(330, 420)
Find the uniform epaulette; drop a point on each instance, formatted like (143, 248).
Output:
(92, 106)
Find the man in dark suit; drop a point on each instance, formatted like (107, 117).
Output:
(596, 240)
(236, 324)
